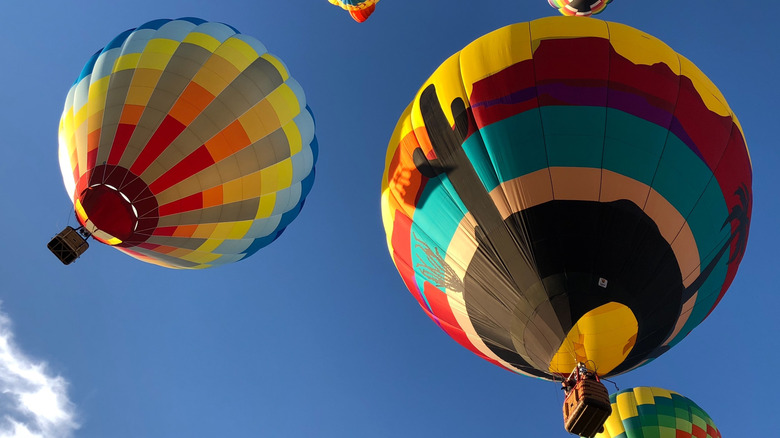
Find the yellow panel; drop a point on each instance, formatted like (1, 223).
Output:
(567, 27)
(97, 95)
(94, 123)
(251, 185)
(277, 64)
(126, 62)
(641, 48)
(208, 42)
(494, 52)
(613, 426)
(285, 173)
(259, 121)
(154, 61)
(82, 215)
(660, 392)
(293, 137)
(626, 405)
(232, 191)
(216, 74)
(237, 52)
(161, 45)
(709, 93)
(449, 86)
(644, 396)
(602, 338)
(266, 207)
(80, 117)
(239, 229)
(210, 245)
(200, 257)
(285, 103)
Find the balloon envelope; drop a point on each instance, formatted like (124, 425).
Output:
(579, 8)
(567, 191)
(646, 412)
(359, 10)
(185, 144)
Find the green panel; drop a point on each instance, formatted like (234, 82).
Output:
(667, 432)
(632, 146)
(515, 145)
(681, 176)
(684, 425)
(650, 432)
(574, 135)
(667, 420)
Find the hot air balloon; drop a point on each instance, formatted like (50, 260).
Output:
(184, 143)
(645, 412)
(567, 191)
(360, 10)
(579, 8)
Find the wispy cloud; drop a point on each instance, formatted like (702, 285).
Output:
(33, 403)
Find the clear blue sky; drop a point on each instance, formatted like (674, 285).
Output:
(316, 335)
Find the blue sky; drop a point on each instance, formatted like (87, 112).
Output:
(316, 335)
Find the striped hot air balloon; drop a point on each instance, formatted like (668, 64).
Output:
(184, 143)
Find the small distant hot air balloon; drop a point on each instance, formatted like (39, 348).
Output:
(645, 412)
(184, 143)
(579, 8)
(360, 10)
(567, 191)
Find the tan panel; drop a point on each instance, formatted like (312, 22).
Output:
(576, 183)
(523, 192)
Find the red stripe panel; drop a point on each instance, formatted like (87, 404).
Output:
(192, 202)
(164, 231)
(444, 318)
(402, 249)
(698, 432)
(190, 165)
(121, 139)
(168, 130)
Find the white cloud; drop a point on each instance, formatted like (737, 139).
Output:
(33, 404)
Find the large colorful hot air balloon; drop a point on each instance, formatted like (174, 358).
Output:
(185, 144)
(645, 412)
(360, 10)
(579, 8)
(566, 191)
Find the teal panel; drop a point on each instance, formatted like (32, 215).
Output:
(574, 135)
(633, 146)
(515, 145)
(481, 162)
(706, 222)
(438, 211)
(681, 176)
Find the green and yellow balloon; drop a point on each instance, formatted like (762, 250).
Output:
(646, 412)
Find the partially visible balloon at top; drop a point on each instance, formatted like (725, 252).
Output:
(579, 8)
(360, 10)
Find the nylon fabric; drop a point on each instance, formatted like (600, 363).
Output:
(552, 168)
(203, 133)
